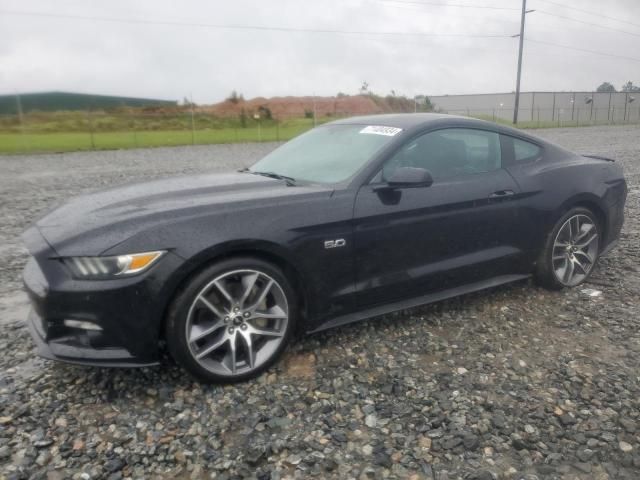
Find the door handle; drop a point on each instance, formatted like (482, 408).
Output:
(502, 194)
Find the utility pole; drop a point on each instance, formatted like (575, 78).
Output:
(522, 18)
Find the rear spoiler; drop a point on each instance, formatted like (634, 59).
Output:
(598, 157)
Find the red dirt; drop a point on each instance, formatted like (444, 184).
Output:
(296, 107)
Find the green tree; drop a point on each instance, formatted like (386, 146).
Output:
(424, 103)
(630, 87)
(235, 98)
(427, 103)
(264, 112)
(606, 87)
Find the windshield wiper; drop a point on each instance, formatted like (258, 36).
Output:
(289, 180)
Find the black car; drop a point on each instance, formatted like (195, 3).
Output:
(353, 219)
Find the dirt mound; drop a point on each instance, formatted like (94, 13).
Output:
(296, 107)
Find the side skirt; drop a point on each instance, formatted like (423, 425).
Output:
(417, 301)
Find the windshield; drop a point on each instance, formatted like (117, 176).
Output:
(327, 154)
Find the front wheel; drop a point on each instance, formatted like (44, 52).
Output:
(571, 250)
(232, 320)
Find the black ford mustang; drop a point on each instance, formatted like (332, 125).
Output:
(353, 219)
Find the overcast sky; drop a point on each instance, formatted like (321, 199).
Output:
(40, 53)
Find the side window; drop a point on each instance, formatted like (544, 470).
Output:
(449, 152)
(525, 151)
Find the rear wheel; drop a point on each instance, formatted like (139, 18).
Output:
(571, 250)
(232, 320)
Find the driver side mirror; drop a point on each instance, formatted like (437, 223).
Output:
(408, 177)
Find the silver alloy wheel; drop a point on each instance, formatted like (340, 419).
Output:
(237, 322)
(575, 250)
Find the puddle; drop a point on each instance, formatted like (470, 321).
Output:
(591, 292)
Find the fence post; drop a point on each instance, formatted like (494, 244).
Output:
(314, 110)
(90, 120)
(277, 131)
(553, 108)
(578, 118)
(21, 122)
(135, 133)
(613, 115)
(533, 104)
(193, 127)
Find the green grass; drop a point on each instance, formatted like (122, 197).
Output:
(74, 141)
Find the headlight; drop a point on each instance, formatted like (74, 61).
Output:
(103, 268)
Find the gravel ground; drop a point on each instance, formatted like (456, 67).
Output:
(512, 383)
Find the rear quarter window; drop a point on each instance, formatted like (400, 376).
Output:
(525, 151)
(517, 151)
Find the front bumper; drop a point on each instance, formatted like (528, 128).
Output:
(126, 314)
(76, 348)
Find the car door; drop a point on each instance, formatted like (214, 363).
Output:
(412, 241)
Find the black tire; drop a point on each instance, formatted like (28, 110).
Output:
(544, 273)
(178, 314)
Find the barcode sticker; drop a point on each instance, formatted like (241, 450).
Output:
(380, 130)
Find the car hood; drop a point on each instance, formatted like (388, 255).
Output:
(91, 224)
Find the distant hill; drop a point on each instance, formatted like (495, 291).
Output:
(296, 107)
(53, 101)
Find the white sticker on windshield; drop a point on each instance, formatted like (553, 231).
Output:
(380, 130)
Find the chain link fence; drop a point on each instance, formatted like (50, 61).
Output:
(547, 109)
(558, 117)
(91, 130)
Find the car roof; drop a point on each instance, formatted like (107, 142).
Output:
(399, 120)
(415, 121)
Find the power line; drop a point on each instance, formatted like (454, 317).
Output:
(500, 21)
(595, 52)
(544, 12)
(246, 27)
(590, 12)
(292, 29)
(455, 5)
(564, 17)
(505, 18)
